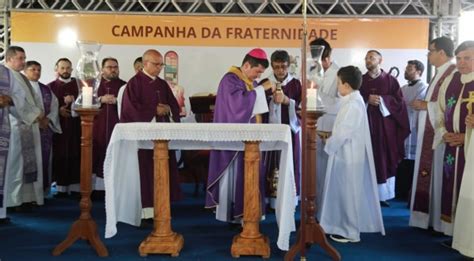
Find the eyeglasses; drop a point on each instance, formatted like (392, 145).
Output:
(156, 64)
(111, 67)
(280, 67)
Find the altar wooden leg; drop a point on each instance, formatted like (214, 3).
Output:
(251, 241)
(162, 240)
(85, 227)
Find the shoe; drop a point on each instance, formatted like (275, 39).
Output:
(384, 204)
(146, 223)
(342, 239)
(448, 244)
(5, 221)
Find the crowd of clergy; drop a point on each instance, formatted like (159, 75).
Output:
(376, 140)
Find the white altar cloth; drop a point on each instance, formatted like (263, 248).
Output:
(122, 180)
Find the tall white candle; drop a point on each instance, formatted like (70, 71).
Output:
(311, 95)
(86, 96)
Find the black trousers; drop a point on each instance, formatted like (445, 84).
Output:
(404, 179)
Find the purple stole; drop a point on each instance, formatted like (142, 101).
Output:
(4, 129)
(453, 161)
(46, 134)
(422, 194)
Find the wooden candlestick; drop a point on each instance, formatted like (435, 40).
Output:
(310, 232)
(85, 227)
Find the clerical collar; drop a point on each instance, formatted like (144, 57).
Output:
(287, 79)
(65, 80)
(411, 83)
(147, 74)
(375, 75)
(466, 78)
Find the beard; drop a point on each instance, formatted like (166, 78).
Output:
(65, 75)
(110, 77)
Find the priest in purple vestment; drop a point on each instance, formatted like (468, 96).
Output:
(388, 122)
(239, 100)
(282, 110)
(50, 123)
(149, 98)
(67, 145)
(455, 101)
(105, 121)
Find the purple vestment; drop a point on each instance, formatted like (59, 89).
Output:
(234, 104)
(388, 134)
(104, 124)
(453, 165)
(139, 102)
(67, 145)
(46, 134)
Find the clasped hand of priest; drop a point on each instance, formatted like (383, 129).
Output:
(454, 139)
(5, 101)
(162, 109)
(374, 100)
(64, 111)
(108, 99)
(280, 98)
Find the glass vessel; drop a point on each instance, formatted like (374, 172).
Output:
(315, 74)
(88, 75)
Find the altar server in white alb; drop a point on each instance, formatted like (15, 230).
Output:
(350, 203)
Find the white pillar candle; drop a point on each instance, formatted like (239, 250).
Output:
(86, 96)
(311, 99)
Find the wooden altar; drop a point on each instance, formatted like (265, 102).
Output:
(252, 138)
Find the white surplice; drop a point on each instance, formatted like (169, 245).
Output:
(417, 91)
(26, 111)
(350, 203)
(417, 218)
(463, 236)
(330, 98)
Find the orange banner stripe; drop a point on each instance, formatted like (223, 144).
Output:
(218, 31)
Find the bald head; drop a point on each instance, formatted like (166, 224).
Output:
(152, 62)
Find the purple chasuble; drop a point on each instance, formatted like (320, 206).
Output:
(234, 104)
(67, 145)
(293, 91)
(5, 83)
(388, 134)
(453, 160)
(104, 124)
(139, 102)
(423, 185)
(46, 134)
